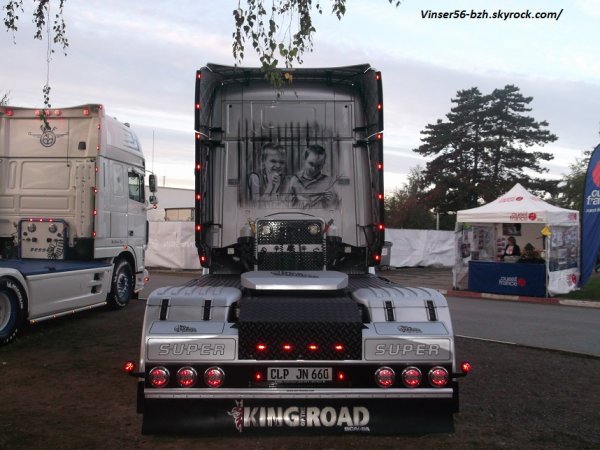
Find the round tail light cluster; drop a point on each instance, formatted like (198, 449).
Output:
(412, 377)
(186, 377)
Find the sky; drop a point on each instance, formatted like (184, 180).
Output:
(139, 58)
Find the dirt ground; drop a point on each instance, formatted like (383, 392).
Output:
(62, 388)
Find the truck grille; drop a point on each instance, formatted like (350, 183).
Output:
(290, 328)
(290, 245)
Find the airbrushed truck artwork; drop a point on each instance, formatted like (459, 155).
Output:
(289, 329)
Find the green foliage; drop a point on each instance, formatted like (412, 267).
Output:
(41, 16)
(483, 149)
(279, 33)
(572, 185)
(405, 207)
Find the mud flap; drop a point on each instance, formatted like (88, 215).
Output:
(255, 416)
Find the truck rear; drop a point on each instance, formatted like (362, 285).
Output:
(72, 213)
(289, 329)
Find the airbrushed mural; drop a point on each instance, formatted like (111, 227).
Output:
(294, 171)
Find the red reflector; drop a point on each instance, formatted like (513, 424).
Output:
(129, 367)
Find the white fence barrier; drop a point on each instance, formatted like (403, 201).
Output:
(171, 245)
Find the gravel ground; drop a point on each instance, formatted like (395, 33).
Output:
(63, 389)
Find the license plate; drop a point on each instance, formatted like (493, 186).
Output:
(299, 374)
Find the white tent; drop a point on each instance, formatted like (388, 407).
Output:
(482, 232)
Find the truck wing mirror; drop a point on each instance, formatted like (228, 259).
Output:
(152, 182)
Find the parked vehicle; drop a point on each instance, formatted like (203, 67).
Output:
(72, 213)
(289, 328)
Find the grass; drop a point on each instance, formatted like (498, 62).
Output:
(591, 290)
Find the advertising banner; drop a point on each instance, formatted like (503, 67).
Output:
(590, 231)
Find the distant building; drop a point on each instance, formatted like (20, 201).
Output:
(174, 205)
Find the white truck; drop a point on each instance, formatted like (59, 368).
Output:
(289, 329)
(72, 213)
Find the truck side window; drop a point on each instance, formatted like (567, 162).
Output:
(136, 187)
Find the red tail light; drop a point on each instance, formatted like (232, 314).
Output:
(214, 377)
(261, 347)
(411, 377)
(187, 377)
(287, 347)
(129, 367)
(438, 377)
(385, 377)
(465, 367)
(159, 377)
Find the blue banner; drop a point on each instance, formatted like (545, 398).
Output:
(590, 222)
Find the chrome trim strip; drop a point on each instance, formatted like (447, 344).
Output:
(218, 394)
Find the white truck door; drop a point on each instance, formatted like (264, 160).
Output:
(136, 212)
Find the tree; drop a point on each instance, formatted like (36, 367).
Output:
(405, 208)
(54, 28)
(284, 30)
(482, 150)
(571, 187)
(4, 100)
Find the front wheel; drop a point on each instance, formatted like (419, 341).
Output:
(12, 309)
(121, 288)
